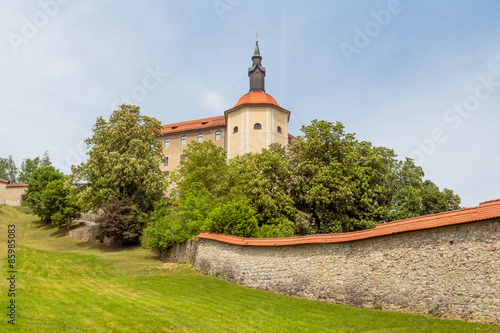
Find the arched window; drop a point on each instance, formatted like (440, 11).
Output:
(279, 129)
(257, 126)
(235, 129)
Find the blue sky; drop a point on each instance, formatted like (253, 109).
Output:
(420, 77)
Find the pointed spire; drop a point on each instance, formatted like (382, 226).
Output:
(257, 52)
(257, 72)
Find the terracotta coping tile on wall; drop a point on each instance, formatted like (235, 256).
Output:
(485, 211)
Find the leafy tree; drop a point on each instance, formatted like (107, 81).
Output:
(264, 180)
(348, 185)
(58, 202)
(452, 199)
(414, 196)
(8, 169)
(37, 184)
(331, 178)
(124, 161)
(204, 169)
(28, 166)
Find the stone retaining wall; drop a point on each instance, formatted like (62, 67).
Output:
(86, 232)
(452, 272)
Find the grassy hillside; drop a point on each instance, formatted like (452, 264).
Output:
(63, 285)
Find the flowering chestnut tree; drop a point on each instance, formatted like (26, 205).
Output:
(124, 161)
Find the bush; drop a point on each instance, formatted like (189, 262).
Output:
(233, 218)
(120, 221)
(280, 227)
(168, 226)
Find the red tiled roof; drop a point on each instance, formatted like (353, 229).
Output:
(17, 185)
(291, 138)
(485, 211)
(194, 125)
(257, 97)
(4, 181)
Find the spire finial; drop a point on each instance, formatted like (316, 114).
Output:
(257, 51)
(257, 37)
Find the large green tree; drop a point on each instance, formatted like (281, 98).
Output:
(29, 165)
(123, 161)
(37, 197)
(334, 181)
(59, 204)
(265, 180)
(350, 185)
(204, 169)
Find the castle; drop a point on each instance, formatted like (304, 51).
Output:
(255, 122)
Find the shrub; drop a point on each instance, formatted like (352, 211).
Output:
(171, 225)
(120, 221)
(233, 218)
(280, 227)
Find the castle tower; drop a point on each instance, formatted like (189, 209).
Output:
(257, 120)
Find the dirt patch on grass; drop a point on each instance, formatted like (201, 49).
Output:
(170, 266)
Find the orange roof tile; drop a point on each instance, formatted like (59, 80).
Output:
(192, 125)
(485, 211)
(4, 181)
(17, 185)
(257, 97)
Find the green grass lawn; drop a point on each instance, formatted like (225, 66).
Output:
(64, 285)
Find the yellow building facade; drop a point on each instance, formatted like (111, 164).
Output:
(254, 123)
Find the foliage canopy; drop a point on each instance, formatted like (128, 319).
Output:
(123, 161)
(325, 181)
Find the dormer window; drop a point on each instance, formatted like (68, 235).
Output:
(257, 126)
(235, 129)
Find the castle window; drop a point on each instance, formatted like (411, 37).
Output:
(235, 129)
(183, 140)
(167, 143)
(165, 161)
(279, 129)
(217, 135)
(257, 126)
(183, 158)
(200, 137)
